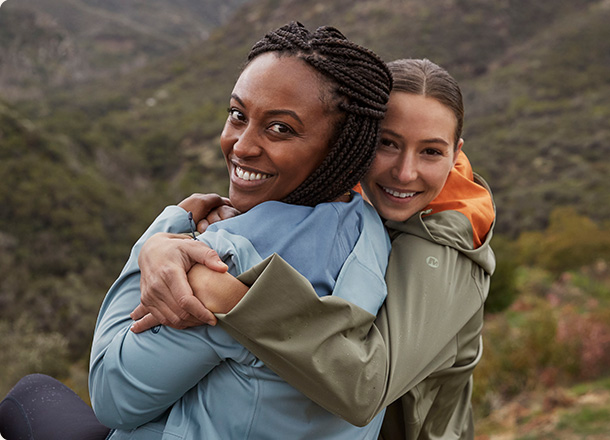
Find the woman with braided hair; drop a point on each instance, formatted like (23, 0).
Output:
(295, 144)
(418, 354)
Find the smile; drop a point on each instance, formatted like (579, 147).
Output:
(247, 175)
(400, 195)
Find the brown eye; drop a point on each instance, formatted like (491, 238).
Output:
(236, 115)
(279, 128)
(387, 143)
(433, 152)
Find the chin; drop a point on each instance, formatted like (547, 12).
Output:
(396, 215)
(242, 204)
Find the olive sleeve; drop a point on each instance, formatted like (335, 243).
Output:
(345, 359)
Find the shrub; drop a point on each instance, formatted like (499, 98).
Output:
(554, 334)
(503, 290)
(570, 241)
(23, 350)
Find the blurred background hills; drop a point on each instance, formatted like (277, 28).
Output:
(110, 110)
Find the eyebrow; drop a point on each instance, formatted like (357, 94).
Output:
(424, 141)
(436, 141)
(272, 112)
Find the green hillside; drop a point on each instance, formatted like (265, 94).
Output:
(49, 44)
(535, 78)
(538, 122)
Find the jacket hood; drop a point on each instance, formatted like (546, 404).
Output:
(462, 216)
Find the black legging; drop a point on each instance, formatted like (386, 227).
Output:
(42, 408)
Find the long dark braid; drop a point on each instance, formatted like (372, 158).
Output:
(362, 84)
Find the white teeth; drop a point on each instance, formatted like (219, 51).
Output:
(246, 175)
(400, 195)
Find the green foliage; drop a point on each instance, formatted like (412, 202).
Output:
(62, 43)
(556, 333)
(570, 241)
(64, 234)
(587, 421)
(25, 350)
(503, 289)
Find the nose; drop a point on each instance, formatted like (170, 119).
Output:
(405, 169)
(247, 143)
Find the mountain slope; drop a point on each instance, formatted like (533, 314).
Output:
(57, 43)
(538, 122)
(535, 80)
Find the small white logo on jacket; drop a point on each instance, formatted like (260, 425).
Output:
(432, 262)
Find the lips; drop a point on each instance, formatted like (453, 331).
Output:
(250, 175)
(398, 194)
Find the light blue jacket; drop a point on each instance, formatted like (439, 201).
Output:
(200, 383)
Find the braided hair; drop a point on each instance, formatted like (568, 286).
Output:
(361, 84)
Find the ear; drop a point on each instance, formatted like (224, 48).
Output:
(456, 153)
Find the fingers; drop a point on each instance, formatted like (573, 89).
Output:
(144, 323)
(212, 260)
(202, 226)
(139, 312)
(161, 293)
(221, 213)
(166, 293)
(201, 204)
(198, 252)
(164, 260)
(197, 310)
(181, 308)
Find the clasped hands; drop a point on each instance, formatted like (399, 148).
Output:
(183, 281)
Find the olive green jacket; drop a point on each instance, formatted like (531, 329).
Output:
(420, 350)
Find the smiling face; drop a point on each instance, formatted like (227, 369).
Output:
(278, 130)
(414, 157)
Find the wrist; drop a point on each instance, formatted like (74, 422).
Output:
(218, 292)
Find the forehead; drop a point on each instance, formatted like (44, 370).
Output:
(419, 116)
(280, 81)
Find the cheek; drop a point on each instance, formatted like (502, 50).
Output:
(437, 179)
(368, 180)
(225, 142)
(308, 160)
(381, 168)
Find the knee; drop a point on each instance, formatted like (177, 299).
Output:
(31, 385)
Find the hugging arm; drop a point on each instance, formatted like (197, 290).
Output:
(135, 378)
(311, 341)
(168, 299)
(413, 335)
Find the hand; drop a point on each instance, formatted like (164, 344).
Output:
(220, 213)
(208, 209)
(166, 296)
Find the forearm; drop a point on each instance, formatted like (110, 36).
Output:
(124, 383)
(229, 290)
